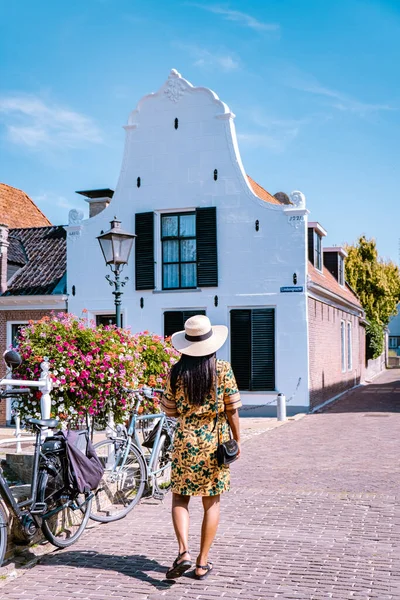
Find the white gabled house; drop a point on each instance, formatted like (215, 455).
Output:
(209, 239)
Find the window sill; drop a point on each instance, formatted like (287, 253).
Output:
(177, 291)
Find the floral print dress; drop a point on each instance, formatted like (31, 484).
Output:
(195, 470)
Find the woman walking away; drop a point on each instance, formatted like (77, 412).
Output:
(190, 395)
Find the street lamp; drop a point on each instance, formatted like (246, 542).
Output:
(116, 245)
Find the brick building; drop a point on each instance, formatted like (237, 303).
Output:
(32, 268)
(336, 323)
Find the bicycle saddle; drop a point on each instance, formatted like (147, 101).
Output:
(12, 358)
(50, 423)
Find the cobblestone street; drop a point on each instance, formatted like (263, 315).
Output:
(313, 514)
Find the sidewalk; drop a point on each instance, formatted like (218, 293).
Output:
(313, 514)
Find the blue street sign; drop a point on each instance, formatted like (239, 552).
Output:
(292, 288)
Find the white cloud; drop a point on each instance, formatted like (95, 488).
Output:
(338, 100)
(239, 17)
(31, 122)
(273, 133)
(276, 143)
(206, 59)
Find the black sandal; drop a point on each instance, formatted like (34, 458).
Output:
(179, 568)
(207, 568)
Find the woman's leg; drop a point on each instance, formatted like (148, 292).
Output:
(209, 528)
(180, 519)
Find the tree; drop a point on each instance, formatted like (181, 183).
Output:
(377, 284)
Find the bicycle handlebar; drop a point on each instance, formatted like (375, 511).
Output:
(143, 390)
(14, 392)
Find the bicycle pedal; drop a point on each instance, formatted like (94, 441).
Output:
(38, 508)
(158, 496)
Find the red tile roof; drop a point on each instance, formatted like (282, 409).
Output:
(328, 282)
(261, 193)
(18, 210)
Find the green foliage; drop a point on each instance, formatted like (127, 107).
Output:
(376, 281)
(377, 284)
(375, 340)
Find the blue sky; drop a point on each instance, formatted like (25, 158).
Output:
(314, 85)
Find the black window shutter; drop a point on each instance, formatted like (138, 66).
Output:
(207, 257)
(263, 349)
(174, 320)
(144, 251)
(311, 244)
(241, 347)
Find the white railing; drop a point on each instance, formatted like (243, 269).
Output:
(45, 385)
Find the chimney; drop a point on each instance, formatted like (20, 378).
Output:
(3, 257)
(98, 200)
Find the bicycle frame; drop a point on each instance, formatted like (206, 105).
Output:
(6, 493)
(133, 431)
(133, 439)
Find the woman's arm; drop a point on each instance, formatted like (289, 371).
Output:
(168, 403)
(234, 422)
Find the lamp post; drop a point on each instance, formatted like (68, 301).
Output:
(116, 245)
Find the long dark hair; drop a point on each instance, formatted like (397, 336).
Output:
(197, 375)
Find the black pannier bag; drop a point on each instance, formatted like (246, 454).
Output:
(168, 428)
(85, 469)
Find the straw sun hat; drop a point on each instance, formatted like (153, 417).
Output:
(199, 337)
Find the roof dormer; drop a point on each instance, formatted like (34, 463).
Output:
(315, 234)
(334, 262)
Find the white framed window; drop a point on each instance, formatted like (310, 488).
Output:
(13, 328)
(317, 251)
(343, 345)
(394, 342)
(178, 244)
(108, 319)
(349, 347)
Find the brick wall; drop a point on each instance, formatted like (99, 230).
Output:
(326, 376)
(5, 317)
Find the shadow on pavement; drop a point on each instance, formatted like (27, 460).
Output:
(382, 397)
(137, 566)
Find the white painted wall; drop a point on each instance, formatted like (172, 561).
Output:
(176, 170)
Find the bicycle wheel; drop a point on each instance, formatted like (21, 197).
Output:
(162, 467)
(3, 534)
(121, 487)
(67, 513)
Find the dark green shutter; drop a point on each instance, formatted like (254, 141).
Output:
(174, 320)
(311, 245)
(253, 348)
(241, 347)
(207, 256)
(144, 251)
(263, 349)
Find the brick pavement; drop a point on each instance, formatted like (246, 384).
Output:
(313, 515)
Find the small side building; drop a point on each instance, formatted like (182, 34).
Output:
(32, 269)
(394, 333)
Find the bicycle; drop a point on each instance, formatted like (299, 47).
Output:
(60, 512)
(128, 468)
